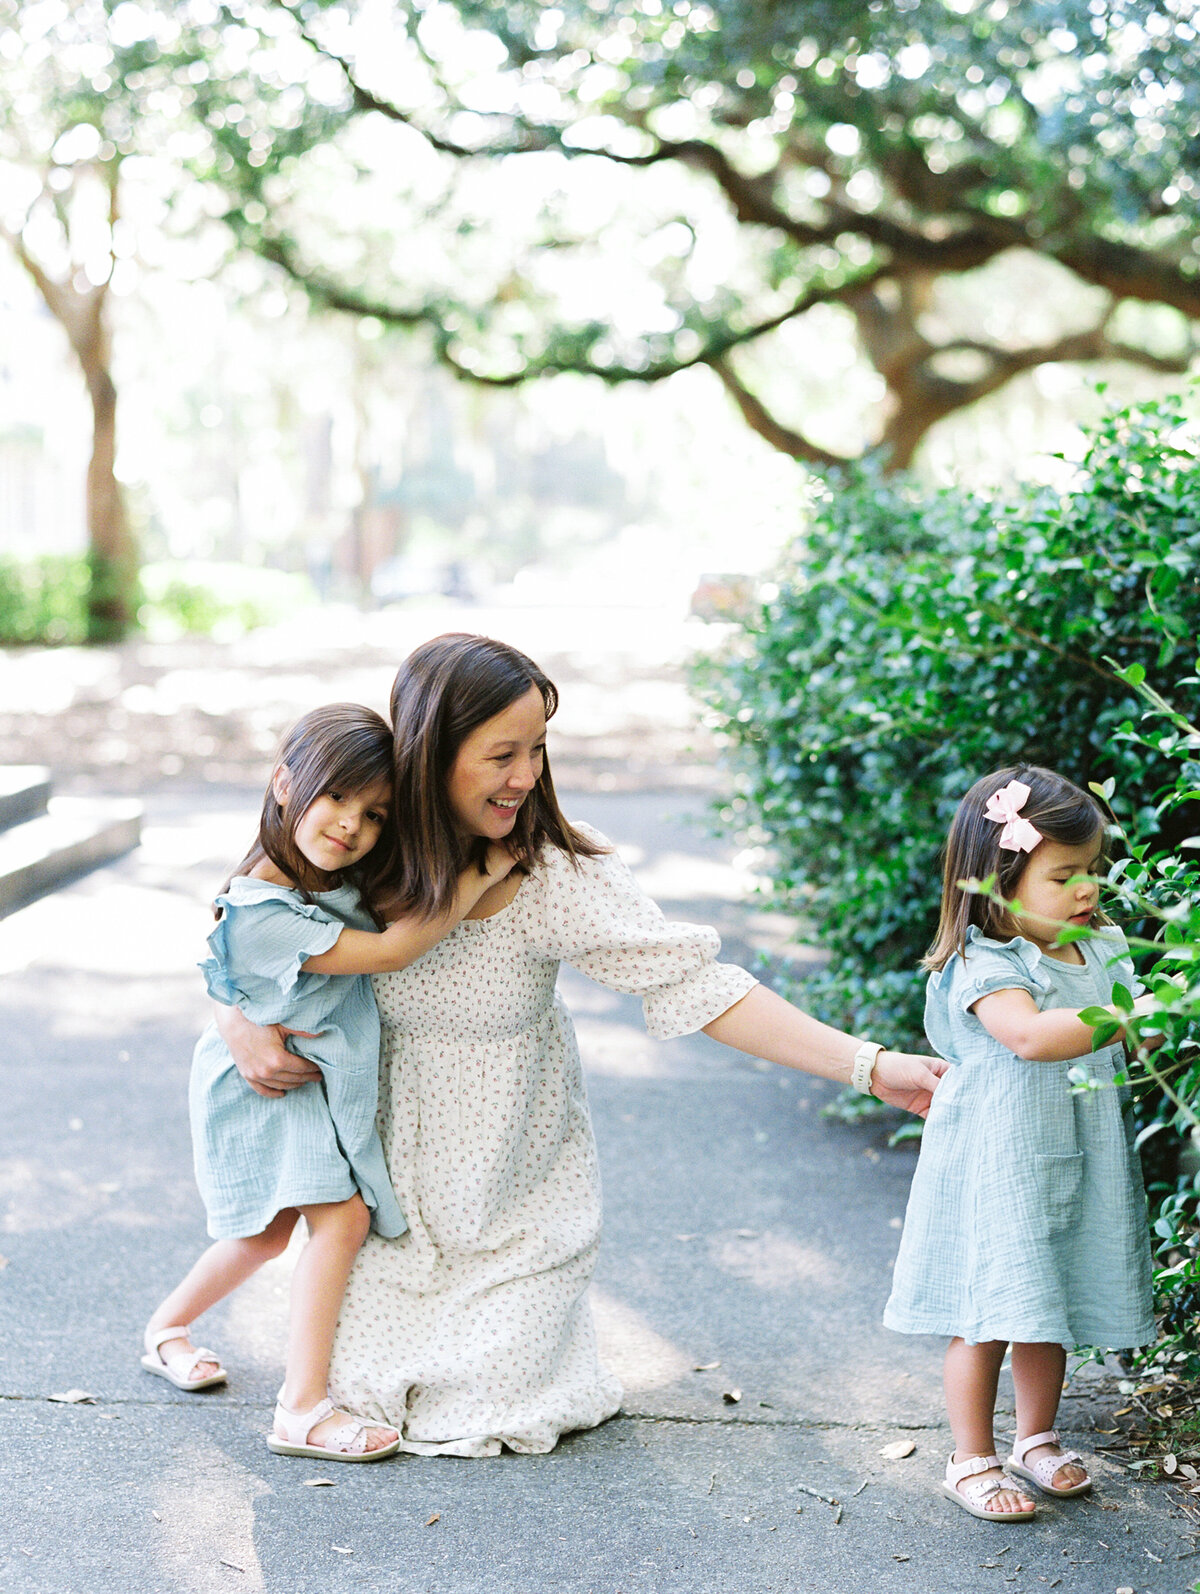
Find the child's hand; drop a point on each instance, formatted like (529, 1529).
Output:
(498, 864)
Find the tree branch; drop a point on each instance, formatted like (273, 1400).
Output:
(721, 341)
(757, 416)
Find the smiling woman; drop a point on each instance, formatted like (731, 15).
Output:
(473, 1330)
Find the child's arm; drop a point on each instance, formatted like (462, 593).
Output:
(1052, 1036)
(377, 951)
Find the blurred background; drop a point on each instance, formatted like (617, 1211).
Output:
(358, 321)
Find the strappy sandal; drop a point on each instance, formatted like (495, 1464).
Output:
(345, 1443)
(179, 1367)
(975, 1496)
(1041, 1472)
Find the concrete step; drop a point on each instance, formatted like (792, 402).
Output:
(24, 792)
(75, 834)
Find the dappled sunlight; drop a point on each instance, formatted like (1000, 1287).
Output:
(108, 931)
(774, 1261)
(209, 1517)
(681, 876)
(255, 1318)
(619, 1051)
(36, 1197)
(639, 1356)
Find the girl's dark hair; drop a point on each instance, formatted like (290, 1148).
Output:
(341, 747)
(442, 692)
(1055, 807)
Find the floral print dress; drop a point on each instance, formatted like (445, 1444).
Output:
(473, 1331)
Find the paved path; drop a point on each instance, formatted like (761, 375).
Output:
(747, 1248)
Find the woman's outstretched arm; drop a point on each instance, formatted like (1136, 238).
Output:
(764, 1025)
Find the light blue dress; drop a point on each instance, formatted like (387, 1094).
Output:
(1027, 1216)
(256, 1155)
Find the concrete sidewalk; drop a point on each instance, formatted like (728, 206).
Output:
(748, 1248)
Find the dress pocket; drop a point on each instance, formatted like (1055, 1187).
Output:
(1058, 1181)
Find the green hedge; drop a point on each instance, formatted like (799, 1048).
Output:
(1158, 890)
(916, 639)
(44, 601)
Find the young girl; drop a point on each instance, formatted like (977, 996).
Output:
(297, 932)
(1026, 1221)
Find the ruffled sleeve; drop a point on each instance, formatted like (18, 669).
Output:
(998, 966)
(261, 942)
(593, 915)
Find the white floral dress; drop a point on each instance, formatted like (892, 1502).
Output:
(473, 1331)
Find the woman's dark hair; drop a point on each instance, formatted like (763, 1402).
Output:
(1055, 807)
(442, 692)
(341, 747)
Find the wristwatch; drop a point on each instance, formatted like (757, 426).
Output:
(863, 1067)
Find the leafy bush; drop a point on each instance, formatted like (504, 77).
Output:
(221, 599)
(1159, 891)
(917, 639)
(44, 601)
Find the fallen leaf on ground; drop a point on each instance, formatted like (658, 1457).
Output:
(899, 1557)
(74, 1397)
(731, 1396)
(436, 1517)
(898, 1449)
(1125, 1589)
(319, 1483)
(342, 1549)
(156, 1516)
(705, 1367)
(1124, 1411)
(232, 1565)
(1170, 1464)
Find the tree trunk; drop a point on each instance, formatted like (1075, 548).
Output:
(83, 315)
(112, 556)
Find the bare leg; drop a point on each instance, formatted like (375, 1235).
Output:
(1038, 1377)
(219, 1271)
(970, 1376)
(336, 1230)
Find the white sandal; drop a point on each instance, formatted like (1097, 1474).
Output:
(179, 1367)
(345, 1443)
(1041, 1472)
(975, 1496)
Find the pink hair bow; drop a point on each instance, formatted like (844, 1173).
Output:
(1004, 808)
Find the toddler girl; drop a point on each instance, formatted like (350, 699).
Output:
(298, 931)
(1026, 1221)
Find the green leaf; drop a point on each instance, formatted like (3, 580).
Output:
(1096, 1015)
(1122, 997)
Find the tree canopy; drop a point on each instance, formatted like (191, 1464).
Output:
(709, 174)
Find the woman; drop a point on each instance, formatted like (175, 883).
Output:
(472, 1331)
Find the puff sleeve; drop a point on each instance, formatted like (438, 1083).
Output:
(259, 947)
(594, 916)
(991, 966)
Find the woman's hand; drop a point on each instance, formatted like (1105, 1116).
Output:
(260, 1055)
(904, 1079)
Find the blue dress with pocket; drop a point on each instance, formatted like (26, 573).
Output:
(256, 1155)
(1027, 1216)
